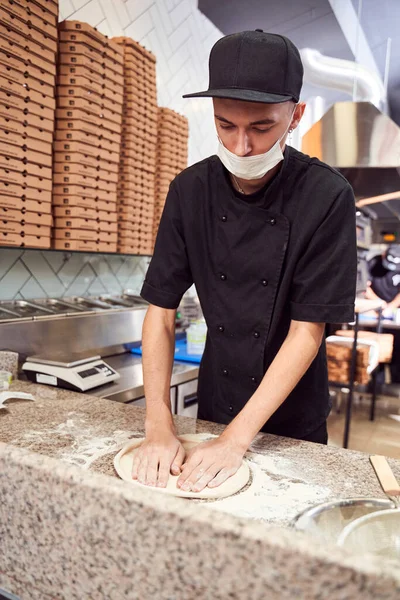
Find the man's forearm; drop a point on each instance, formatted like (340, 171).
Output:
(290, 364)
(158, 340)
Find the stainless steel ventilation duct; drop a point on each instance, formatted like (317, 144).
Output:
(355, 137)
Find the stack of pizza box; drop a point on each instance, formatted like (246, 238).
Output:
(172, 156)
(138, 150)
(28, 46)
(87, 139)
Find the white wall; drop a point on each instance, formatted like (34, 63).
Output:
(180, 36)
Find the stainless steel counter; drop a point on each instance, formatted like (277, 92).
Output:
(130, 385)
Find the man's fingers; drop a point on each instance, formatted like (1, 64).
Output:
(163, 473)
(188, 469)
(178, 461)
(221, 477)
(152, 470)
(135, 466)
(141, 477)
(202, 481)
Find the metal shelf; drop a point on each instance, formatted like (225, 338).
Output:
(21, 249)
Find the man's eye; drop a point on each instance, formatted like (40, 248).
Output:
(226, 126)
(261, 130)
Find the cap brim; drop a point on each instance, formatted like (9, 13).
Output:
(239, 94)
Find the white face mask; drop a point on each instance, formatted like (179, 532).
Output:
(252, 167)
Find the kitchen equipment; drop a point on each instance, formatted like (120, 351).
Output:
(75, 372)
(25, 309)
(117, 301)
(88, 303)
(58, 306)
(378, 533)
(6, 315)
(326, 521)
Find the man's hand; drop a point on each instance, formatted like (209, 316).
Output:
(210, 464)
(160, 454)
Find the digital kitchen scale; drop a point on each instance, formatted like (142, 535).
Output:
(79, 373)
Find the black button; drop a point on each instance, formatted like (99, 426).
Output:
(264, 282)
(231, 408)
(223, 277)
(256, 334)
(272, 221)
(225, 372)
(224, 218)
(221, 328)
(254, 380)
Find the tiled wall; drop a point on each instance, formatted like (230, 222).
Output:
(181, 38)
(30, 274)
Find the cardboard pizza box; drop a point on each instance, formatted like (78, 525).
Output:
(16, 89)
(28, 30)
(90, 107)
(27, 75)
(107, 247)
(30, 18)
(63, 159)
(84, 192)
(25, 217)
(82, 37)
(20, 191)
(24, 241)
(76, 234)
(70, 114)
(24, 204)
(75, 245)
(82, 180)
(69, 52)
(78, 27)
(98, 130)
(19, 178)
(76, 168)
(50, 5)
(25, 229)
(24, 116)
(31, 7)
(76, 223)
(20, 166)
(23, 141)
(18, 128)
(130, 45)
(101, 79)
(96, 153)
(26, 48)
(90, 97)
(100, 142)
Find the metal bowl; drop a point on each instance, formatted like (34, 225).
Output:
(327, 521)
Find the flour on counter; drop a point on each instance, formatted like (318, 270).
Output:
(276, 494)
(82, 445)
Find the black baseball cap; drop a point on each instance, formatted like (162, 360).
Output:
(254, 66)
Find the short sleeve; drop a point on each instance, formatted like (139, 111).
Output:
(168, 276)
(324, 282)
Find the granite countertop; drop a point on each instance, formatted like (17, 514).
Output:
(287, 475)
(71, 530)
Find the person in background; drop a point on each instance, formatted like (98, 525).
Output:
(384, 284)
(268, 236)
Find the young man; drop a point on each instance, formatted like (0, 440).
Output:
(268, 236)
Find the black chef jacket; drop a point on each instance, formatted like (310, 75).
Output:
(385, 283)
(255, 268)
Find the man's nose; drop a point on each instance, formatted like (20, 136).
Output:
(243, 145)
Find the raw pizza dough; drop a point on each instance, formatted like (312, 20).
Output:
(123, 462)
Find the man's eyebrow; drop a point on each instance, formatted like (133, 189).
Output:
(261, 122)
